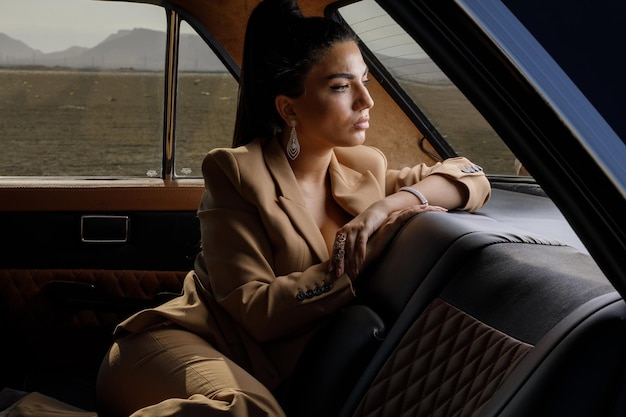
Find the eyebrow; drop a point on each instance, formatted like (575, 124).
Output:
(346, 75)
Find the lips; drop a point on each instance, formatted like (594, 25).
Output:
(363, 123)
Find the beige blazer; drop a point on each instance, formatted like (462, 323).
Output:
(260, 287)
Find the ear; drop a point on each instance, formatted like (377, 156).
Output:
(284, 106)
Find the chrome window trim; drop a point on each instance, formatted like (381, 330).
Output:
(170, 90)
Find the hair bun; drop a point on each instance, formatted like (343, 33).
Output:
(272, 12)
(270, 31)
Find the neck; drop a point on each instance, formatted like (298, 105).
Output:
(311, 165)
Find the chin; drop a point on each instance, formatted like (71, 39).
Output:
(358, 139)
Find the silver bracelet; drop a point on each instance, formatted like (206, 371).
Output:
(416, 193)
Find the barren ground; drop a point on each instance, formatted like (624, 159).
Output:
(56, 122)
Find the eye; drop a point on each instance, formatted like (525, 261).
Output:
(340, 88)
(366, 82)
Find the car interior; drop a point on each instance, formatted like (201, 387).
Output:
(501, 312)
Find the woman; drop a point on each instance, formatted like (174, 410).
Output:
(289, 218)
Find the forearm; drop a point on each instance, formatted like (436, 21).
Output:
(444, 186)
(438, 190)
(456, 183)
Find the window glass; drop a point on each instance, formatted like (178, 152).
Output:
(446, 107)
(81, 88)
(205, 106)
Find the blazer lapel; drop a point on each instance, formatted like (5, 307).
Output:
(291, 200)
(354, 191)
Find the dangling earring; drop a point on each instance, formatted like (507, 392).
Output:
(293, 147)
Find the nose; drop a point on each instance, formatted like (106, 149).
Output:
(363, 99)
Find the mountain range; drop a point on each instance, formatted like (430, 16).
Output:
(144, 49)
(138, 49)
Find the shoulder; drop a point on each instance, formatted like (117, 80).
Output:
(230, 161)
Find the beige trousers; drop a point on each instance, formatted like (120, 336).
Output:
(173, 372)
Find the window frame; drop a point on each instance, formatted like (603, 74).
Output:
(175, 15)
(521, 111)
(37, 194)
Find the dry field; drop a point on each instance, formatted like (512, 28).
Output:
(107, 123)
(99, 123)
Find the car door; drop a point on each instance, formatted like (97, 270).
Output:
(106, 111)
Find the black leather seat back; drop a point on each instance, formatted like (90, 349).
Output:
(332, 363)
(491, 329)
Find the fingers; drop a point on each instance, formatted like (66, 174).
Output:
(351, 242)
(434, 208)
(336, 265)
(355, 254)
(348, 253)
(397, 219)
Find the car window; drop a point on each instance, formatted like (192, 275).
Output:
(446, 108)
(206, 103)
(82, 88)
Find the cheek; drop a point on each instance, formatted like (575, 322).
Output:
(333, 107)
(326, 120)
(314, 110)
(323, 112)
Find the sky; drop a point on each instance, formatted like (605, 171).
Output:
(52, 25)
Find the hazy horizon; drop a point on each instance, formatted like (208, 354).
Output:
(77, 45)
(47, 29)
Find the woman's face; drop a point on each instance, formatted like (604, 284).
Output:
(334, 108)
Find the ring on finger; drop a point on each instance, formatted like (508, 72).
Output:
(340, 241)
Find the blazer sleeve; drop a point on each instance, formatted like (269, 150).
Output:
(239, 255)
(459, 170)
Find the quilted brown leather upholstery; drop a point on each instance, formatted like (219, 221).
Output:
(448, 364)
(20, 286)
(43, 335)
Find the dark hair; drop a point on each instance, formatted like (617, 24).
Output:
(280, 47)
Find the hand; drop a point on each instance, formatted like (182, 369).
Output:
(364, 238)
